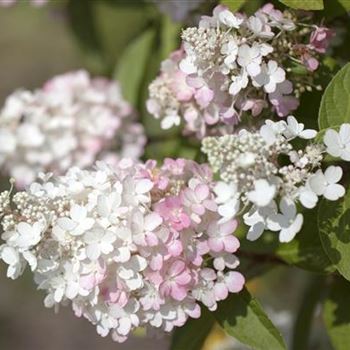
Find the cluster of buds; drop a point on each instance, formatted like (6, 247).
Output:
(128, 246)
(256, 177)
(232, 65)
(72, 121)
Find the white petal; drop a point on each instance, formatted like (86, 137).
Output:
(318, 183)
(308, 198)
(169, 121)
(187, 65)
(256, 231)
(288, 207)
(344, 133)
(66, 224)
(333, 174)
(143, 186)
(262, 194)
(93, 251)
(287, 234)
(229, 209)
(332, 141)
(152, 221)
(31, 259)
(308, 134)
(10, 255)
(334, 191)
(223, 192)
(78, 213)
(267, 133)
(124, 326)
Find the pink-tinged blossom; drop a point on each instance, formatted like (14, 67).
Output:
(228, 68)
(221, 238)
(73, 120)
(126, 246)
(176, 281)
(311, 63)
(282, 101)
(171, 210)
(320, 39)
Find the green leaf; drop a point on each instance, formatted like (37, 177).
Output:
(336, 8)
(334, 229)
(192, 335)
(132, 65)
(233, 5)
(303, 323)
(335, 104)
(345, 4)
(81, 17)
(304, 4)
(242, 317)
(306, 250)
(170, 36)
(111, 19)
(336, 314)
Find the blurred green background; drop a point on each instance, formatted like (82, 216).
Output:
(124, 39)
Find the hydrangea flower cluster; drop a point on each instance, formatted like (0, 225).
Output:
(231, 64)
(256, 177)
(71, 121)
(128, 246)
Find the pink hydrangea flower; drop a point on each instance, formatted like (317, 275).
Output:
(221, 238)
(212, 88)
(73, 120)
(320, 39)
(128, 252)
(171, 209)
(176, 281)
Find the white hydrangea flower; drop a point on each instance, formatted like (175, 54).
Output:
(307, 197)
(250, 161)
(78, 221)
(294, 129)
(250, 57)
(99, 242)
(170, 120)
(258, 220)
(227, 198)
(262, 194)
(11, 257)
(239, 82)
(325, 184)
(288, 220)
(227, 18)
(271, 75)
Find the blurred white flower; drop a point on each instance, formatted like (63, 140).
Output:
(71, 121)
(227, 18)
